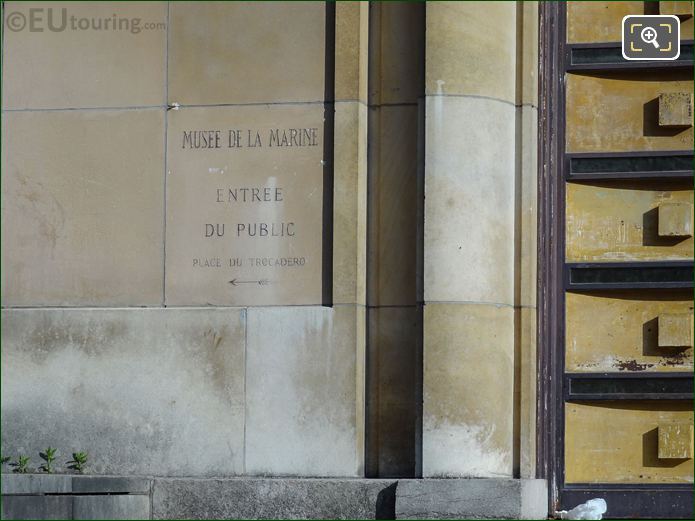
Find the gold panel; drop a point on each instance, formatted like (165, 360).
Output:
(619, 112)
(620, 331)
(619, 221)
(675, 441)
(602, 21)
(618, 442)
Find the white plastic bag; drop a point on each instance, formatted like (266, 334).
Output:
(592, 509)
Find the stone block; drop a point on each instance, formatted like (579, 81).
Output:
(83, 197)
(468, 390)
(675, 220)
(675, 441)
(36, 507)
(349, 203)
(676, 109)
(246, 52)
(469, 201)
(351, 20)
(248, 498)
(123, 506)
(467, 36)
(470, 499)
(245, 223)
(117, 383)
(303, 392)
(534, 499)
(76, 68)
(675, 330)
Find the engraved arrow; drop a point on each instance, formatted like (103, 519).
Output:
(262, 282)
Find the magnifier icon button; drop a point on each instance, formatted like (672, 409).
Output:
(648, 35)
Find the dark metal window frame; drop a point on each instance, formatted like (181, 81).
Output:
(624, 500)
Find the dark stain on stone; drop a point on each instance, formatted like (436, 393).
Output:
(675, 357)
(632, 365)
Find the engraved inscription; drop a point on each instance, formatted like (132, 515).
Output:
(244, 213)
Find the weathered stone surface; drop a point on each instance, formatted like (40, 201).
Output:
(82, 208)
(142, 391)
(468, 390)
(675, 219)
(675, 329)
(625, 222)
(469, 201)
(37, 507)
(245, 213)
(675, 441)
(467, 36)
(35, 484)
(471, 499)
(272, 499)
(349, 203)
(111, 507)
(304, 392)
(534, 499)
(676, 109)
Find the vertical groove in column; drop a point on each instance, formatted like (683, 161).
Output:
(394, 215)
(246, 365)
(518, 172)
(328, 153)
(166, 160)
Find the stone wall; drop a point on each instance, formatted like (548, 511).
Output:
(112, 343)
(397, 336)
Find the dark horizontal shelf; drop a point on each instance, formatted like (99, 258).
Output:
(581, 276)
(676, 164)
(608, 57)
(652, 501)
(628, 386)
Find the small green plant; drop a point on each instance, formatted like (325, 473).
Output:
(79, 460)
(49, 456)
(20, 466)
(5, 459)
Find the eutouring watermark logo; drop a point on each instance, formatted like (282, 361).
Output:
(58, 20)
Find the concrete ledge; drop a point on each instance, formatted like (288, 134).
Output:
(35, 496)
(32, 484)
(273, 498)
(61, 496)
(35, 484)
(471, 499)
